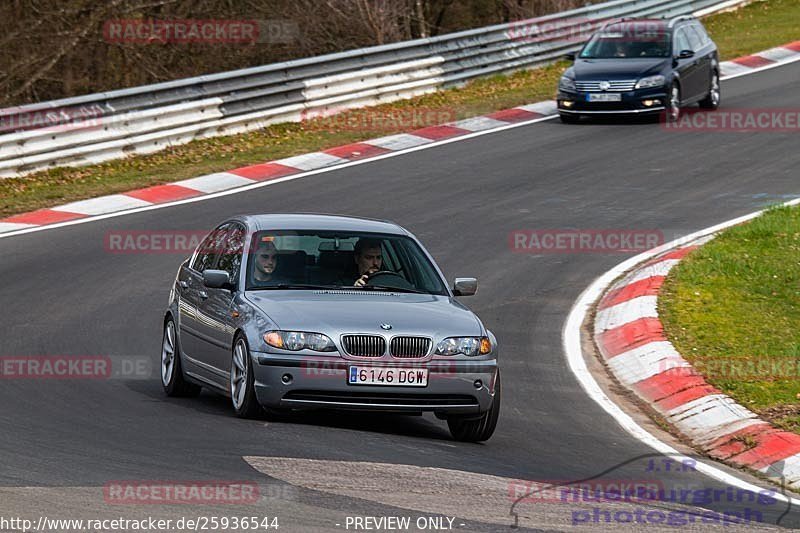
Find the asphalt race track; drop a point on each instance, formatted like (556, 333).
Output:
(63, 293)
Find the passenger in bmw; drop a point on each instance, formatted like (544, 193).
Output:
(265, 264)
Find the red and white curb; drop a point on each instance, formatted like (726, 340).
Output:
(213, 184)
(631, 340)
(760, 61)
(244, 176)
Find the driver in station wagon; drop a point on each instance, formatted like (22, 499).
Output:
(369, 259)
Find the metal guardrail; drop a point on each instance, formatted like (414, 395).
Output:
(98, 127)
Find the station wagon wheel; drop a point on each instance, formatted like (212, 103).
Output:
(243, 395)
(674, 106)
(714, 93)
(172, 378)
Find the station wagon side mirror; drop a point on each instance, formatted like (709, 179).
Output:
(686, 54)
(570, 56)
(217, 279)
(465, 286)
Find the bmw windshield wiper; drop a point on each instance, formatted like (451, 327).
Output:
(285, 286)
(300, 286)
(392, 289)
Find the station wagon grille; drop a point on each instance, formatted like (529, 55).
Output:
(364, 345)
(410, 347)
(619, 86)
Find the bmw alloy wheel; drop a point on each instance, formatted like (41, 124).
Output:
(239, 375)
(168, 354)
(172, 378)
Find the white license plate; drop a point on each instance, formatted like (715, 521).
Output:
(399, 377)
(603, 97)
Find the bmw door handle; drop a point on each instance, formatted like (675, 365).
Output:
(203, 295)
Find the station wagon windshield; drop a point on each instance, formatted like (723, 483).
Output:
(627, 45)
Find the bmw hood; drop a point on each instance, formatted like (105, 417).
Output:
(617, 69)
(337, 312)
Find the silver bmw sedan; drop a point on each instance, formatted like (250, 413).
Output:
(285, 312)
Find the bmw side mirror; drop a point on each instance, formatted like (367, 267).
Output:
(686, 54)
(217, 279)
(465, 286)
(571, 56)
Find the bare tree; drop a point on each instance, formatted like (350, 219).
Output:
(59, 49)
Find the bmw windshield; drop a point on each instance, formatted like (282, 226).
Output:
(335, 260)
(627, 44)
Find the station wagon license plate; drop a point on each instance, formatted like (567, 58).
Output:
(603, 97)
(402, 377)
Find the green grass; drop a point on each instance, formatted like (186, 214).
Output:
(759, 26)
(732, 308)
(789, 423)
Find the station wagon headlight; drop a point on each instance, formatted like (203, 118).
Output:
(471, 346)
(652, 81)
(566, 84)
(299, 340)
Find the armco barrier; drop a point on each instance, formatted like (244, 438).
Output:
(98, 127)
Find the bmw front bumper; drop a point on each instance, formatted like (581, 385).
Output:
(455, 386)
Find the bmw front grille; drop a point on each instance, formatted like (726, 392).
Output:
(410, 347)
(364, 345)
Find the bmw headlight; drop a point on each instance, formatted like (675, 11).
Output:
(471, 346)
(299, 340)
(651, 81)
(566, 84)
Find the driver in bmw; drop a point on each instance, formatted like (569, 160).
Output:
(369, 259)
